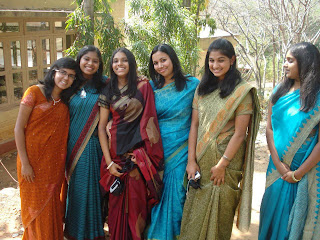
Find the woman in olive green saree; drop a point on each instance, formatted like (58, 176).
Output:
(224, 125)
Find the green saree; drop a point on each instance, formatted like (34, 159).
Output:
(209, 211)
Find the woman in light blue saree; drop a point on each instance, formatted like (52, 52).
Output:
(173, 97)
(290, 205)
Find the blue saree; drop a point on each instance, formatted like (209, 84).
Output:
(174, 110)
(83, 212)
(290, 211)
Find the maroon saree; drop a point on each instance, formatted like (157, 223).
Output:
(134, 129)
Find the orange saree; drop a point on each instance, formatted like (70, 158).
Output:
(42, 208)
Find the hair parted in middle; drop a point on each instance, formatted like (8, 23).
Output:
(308, 59)
(112, 87)
(178, 75)
(97, 77)
(209, 82)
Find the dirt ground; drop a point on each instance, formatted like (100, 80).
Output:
(10, 220)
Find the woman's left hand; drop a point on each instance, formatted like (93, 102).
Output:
(143, 78)
(217, 174)
(132, 157)
(288, 177)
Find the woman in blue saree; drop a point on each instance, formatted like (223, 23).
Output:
(83, 218)
(290, 205)
(173, 97)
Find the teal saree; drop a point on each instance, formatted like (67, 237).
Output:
(290, 211)
(174, 110)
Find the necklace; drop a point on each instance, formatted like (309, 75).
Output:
(83, 93)
(55, 101)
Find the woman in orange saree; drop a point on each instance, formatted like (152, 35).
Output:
(41, 135)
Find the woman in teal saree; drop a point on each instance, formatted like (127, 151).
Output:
(290, 205)
(173, 98)
(83, 218)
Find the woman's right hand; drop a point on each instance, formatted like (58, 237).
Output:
(192, 168)
(27, 172)
(114, 170)
(283, 169)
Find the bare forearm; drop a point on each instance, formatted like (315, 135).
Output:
(103, 139)
(192, 143)
(21, 145)
(310, 162)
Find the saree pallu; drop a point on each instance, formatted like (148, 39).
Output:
(84, 213)
(134, 129)
(42, 209)
(174, 110)
(209, 212)
(290, 211)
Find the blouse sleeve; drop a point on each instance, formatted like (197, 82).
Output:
(245, 107)
(195, 100)
(29, 97)
(102, 101)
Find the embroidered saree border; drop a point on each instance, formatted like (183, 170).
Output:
(221, 118)
(295, 144)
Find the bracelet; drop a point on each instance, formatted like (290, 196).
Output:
(109, 166)
(293, 177)
(225, 157)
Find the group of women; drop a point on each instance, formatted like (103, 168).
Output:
(135, 148)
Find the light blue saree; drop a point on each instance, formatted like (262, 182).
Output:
(290, 211)
(174, 115)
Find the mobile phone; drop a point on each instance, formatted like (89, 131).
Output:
(197, 176)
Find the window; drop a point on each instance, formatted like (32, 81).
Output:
(37, 26)
(8, 27)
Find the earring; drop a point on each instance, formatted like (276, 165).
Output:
(231, 67)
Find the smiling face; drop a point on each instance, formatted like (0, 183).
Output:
(89, 64)
(120, 65)
(163, 65)
(219, 64)
(64, 78)
(291, 67)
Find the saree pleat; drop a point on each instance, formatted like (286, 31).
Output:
(84, 213)
(42, 209)
(209, 212)
(290, 211)
(174, 110)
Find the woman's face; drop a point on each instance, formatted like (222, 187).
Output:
(89, 64)
(163, 64)
(291, 67)
(120, 65)
(219, 64)
(64, 77)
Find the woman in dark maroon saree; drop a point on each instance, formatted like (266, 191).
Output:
(131, 146)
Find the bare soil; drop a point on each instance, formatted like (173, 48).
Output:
(10, 220)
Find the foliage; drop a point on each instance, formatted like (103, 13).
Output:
(265, 29)
(153, 22)
(106, 33)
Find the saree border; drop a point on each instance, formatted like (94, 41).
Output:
(302, 134)
(83, 140)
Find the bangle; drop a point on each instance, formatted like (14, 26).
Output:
(225, 157)
(109, 166)
(293, 177)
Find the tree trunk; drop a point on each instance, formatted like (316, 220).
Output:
(88, 8)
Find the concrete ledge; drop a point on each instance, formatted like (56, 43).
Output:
(7, 146)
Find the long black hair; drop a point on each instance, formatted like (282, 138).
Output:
(308, 59)
(97, 76)
(49, 83)
(209, 82)
(112, 87)
(178, 76)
